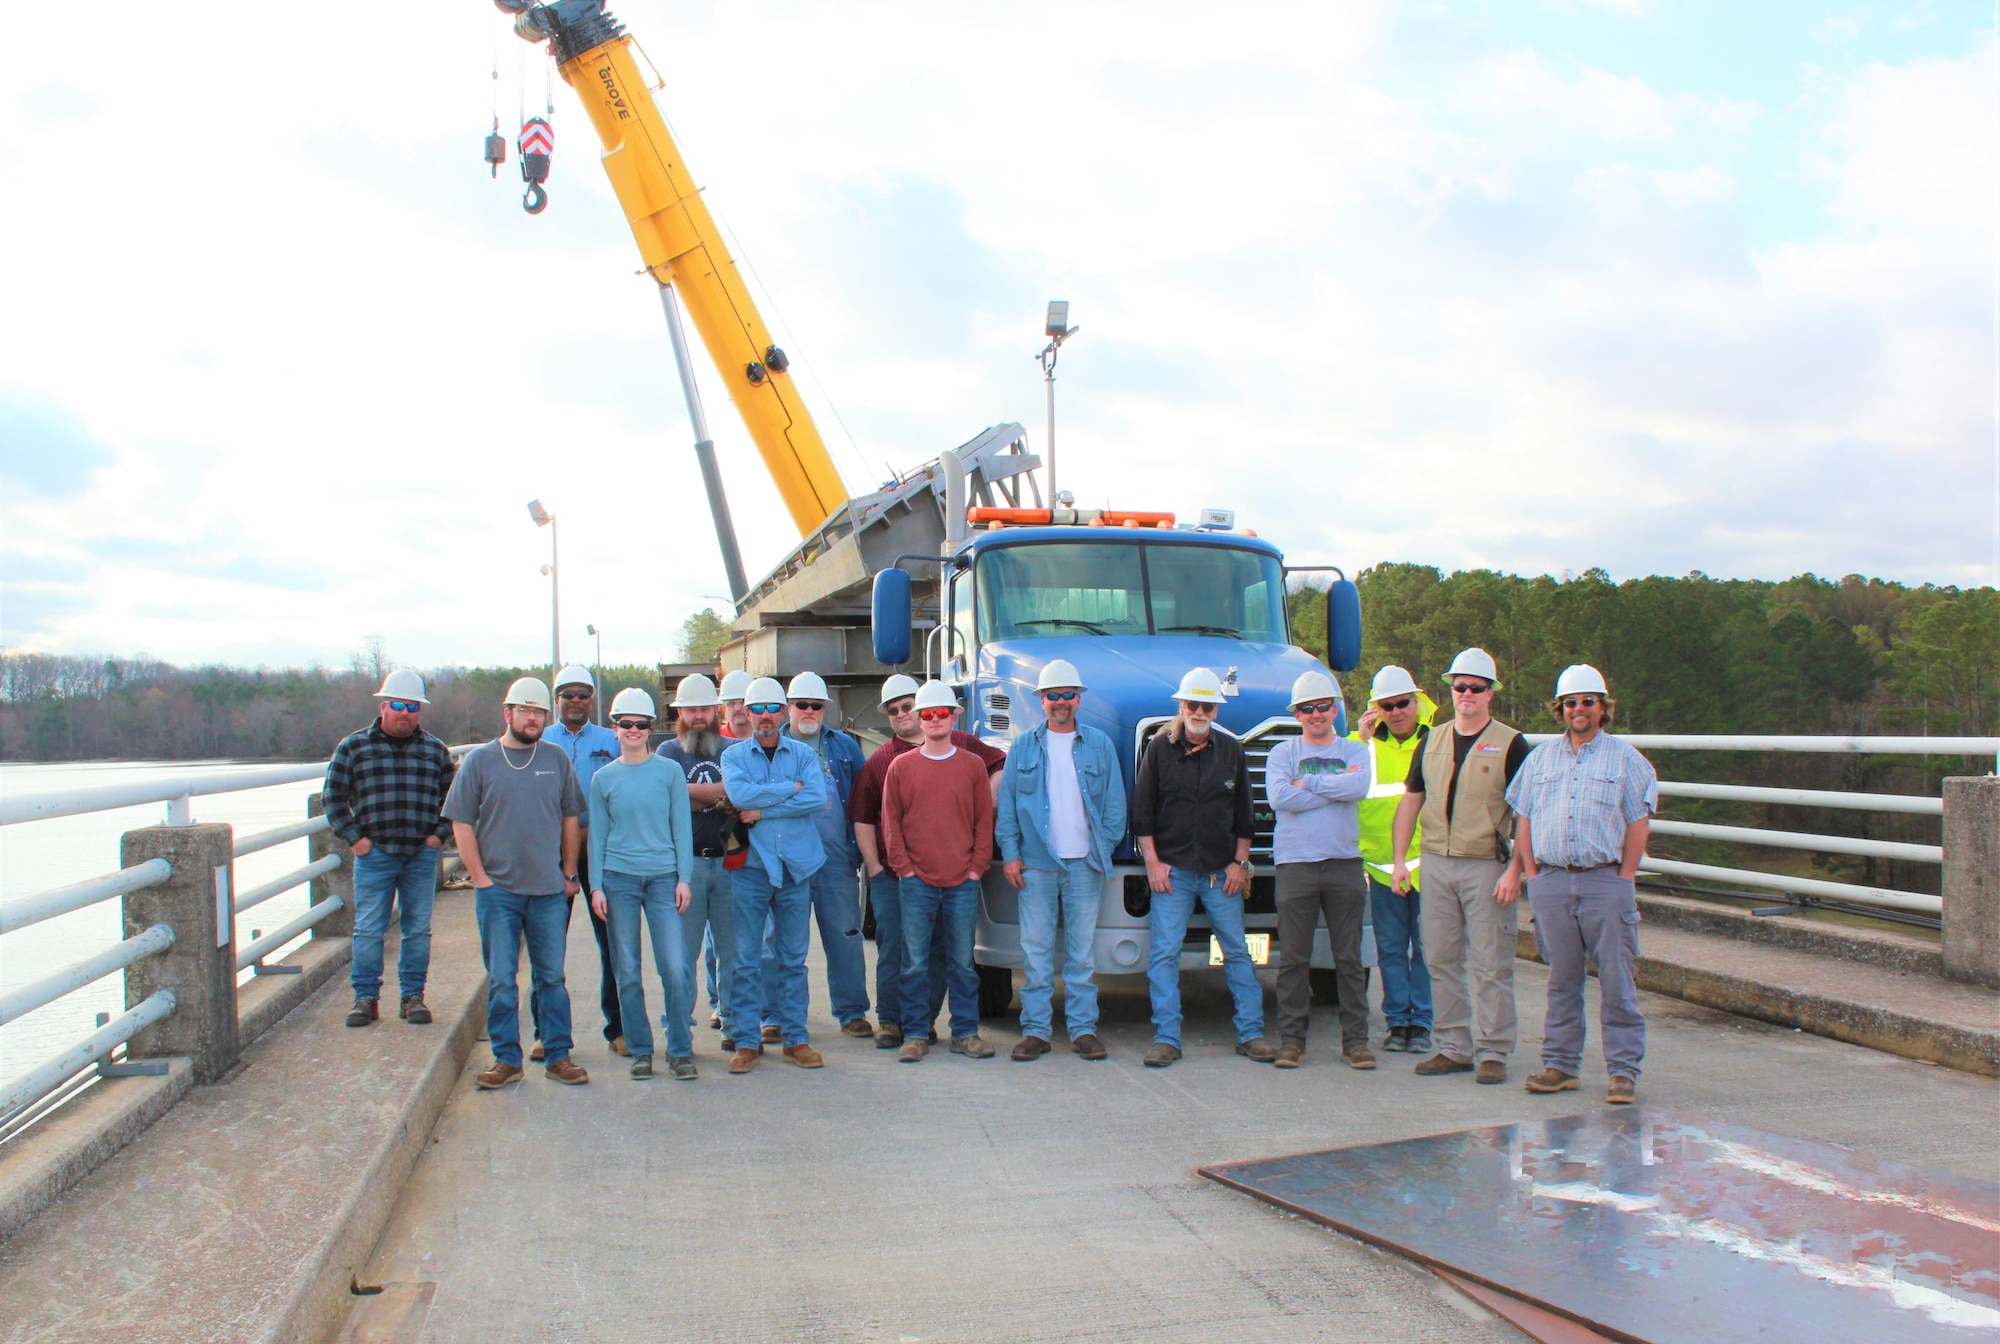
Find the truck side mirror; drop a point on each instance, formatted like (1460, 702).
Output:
(890, 617)
(1343, 625)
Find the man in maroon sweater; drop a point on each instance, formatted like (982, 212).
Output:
(937, 832)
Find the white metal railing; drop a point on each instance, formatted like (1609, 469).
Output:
(26, 998)
(26, 910)
(268, 943)
(175, 793)
(279, 885)
(94, 1048)
(1857, 802)
(278, 835)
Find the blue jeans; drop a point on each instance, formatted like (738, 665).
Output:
(1169, 921)
(925, 910)
(504, 920)
(626, 897)
(1075, 890)
(710, 913)
(789, 910)
(1399, 951)
(836, 905)
(885, 895)
(380, 880)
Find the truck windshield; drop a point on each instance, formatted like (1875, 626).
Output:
(1084, 588)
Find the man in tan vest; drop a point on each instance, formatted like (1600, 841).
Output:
(1457, 788)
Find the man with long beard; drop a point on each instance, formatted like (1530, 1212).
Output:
(697, 748)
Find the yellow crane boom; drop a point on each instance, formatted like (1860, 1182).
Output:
(681, 246)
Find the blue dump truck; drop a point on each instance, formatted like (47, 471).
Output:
(960, 572)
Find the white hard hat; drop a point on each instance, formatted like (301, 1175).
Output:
(807, 686)
(896, 687)
(528, 691)
(736, 685)
(1313, 686)
(1474, 663)
(1580, 679)
(402, 684)
(936, 695)
(632, 700)
(1059, 674)
(1201, 686)
(695, 692)
(1392, 680)
(764, 691)
(576, 674)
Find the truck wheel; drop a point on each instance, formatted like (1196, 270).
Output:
(996, 990)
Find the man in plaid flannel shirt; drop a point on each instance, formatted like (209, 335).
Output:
(384, 795)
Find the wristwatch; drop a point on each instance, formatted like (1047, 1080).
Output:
(1249, 868)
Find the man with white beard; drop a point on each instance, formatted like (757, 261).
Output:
(697, 748)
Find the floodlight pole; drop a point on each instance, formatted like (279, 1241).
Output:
(543, 518)
(597, 670)
(1058, 330)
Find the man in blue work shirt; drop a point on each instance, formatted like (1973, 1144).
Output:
(1061, 813)
(1585, 801)
(777, 788)
(589, 747)
(836, 887)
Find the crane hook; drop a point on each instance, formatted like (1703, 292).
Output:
(535, 200)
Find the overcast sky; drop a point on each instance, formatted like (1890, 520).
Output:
(1537, 286)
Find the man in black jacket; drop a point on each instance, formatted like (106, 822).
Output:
(384, 798)
(1191, 818)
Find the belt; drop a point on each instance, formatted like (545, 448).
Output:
(711, 853)
(1578, 868)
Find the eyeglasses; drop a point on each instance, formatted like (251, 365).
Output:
(1580, 702)
(765, 709)
(402, 706)
(809, 706)
(933, 715)
(1390, 706)
(1060, 695)
(897, 708)
(1316, 707)
(632, 725)
(534, 711)
(575, 695)
(1198, 709)
(1470, 688)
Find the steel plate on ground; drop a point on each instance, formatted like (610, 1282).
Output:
(1656, 1224)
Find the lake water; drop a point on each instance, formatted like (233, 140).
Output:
(38, 855)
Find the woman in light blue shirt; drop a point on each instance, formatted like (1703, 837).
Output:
(642, 860)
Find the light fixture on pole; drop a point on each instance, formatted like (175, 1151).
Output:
(597, 669)
(1058, 330)
(543, 518)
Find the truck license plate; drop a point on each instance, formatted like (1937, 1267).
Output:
(1259, 944)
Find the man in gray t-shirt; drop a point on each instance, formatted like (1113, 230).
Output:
(513, 809)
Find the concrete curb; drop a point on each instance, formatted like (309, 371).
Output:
(264, 1001)
(81, 1136)
(1869, 947)
(319, 1297)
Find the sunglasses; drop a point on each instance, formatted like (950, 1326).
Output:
(897, 707)
(809, 706)
(1580, 702)
(765, 709)
(1198, 709)
(933, 715)
(1469, 688)
(1060, 695)
(574, 695)
(632, 725)
(402, 706)
(1316, 707)
(1389, 706)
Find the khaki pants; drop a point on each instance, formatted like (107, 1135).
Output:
(1469, 934)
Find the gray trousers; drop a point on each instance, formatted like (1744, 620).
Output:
(1469, 936)
(1339, 889)
(1594, 914)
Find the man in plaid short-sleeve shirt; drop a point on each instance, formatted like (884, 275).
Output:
(384, 796)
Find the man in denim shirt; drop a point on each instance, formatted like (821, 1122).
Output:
(1585, 801)
(1061, 812)
(778, 790)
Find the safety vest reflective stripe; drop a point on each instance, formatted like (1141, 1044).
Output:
(1384, 790)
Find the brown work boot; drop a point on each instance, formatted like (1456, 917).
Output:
(362, 1013)
(1258, 1048)
(914, 1049)
(618, 1047)
(1442, 1063)
(858, 1029)
(1621, 1092)
(567, 1072)
(804, 1056)
(772, 1036)
(1089, 1046)
(1357, 1055)
(1551, 1080)
(535, 1052)
(744, 1060)
(1031, 1047)
(888, 1037)
(413, 1010)
(497, 1074)
(1491, 1071)
(971, 1047)
(1290, 1055)
(1161, 1055)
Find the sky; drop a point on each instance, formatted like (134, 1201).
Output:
(1536, 285)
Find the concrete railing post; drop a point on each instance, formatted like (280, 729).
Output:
(1972, 880)
(200, 968)
(339, 882)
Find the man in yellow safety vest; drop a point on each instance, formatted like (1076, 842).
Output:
(1393, 729)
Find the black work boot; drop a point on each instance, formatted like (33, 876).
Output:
(362, 1013)
(413, 1010)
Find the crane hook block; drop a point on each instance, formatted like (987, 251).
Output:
(755, 373)
(496, 151)
(776, 360)
(537, 146)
